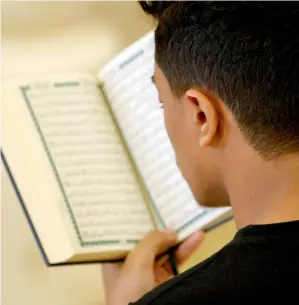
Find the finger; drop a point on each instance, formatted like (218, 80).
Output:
(165, 264)
(110, 272)
(156, 242)
(161, 275)
(167, 267)
(188, 246)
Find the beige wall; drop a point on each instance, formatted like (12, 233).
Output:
(53, 37)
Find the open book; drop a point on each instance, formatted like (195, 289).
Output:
(91, 161)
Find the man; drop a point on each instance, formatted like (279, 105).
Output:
(228, 76)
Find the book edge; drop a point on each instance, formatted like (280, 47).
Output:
(218, 224)
(32, 227)
(25, 211)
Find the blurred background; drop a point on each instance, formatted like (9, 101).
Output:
(58, 36)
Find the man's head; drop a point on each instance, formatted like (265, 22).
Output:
(228, 76)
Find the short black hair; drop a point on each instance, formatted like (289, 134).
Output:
(246, 53)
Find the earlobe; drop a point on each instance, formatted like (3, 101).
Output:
(204, 116)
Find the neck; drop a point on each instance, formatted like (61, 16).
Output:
(264, 192)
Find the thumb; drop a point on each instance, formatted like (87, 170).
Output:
(155, 243)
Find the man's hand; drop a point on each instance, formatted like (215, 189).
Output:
(128, 281)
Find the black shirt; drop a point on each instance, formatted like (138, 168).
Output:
(259, 266)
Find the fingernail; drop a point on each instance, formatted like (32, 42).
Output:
(199, 234)
(172, 233)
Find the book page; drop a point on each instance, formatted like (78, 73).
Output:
(98, 188)
(134, 100)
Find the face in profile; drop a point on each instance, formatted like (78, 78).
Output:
(189, 124)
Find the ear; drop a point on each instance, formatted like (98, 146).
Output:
(204, 115)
